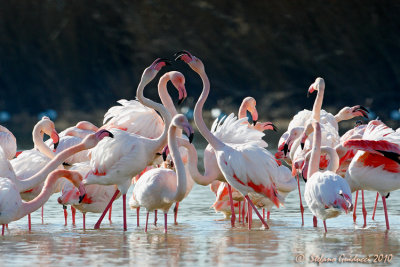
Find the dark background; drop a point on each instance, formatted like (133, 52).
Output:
(79, 57)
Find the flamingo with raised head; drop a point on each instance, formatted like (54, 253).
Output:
(117, 161)
(247, 167)
(326, 193)
(249, 104)
(159, 188)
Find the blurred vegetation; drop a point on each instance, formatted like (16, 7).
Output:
(79, 57)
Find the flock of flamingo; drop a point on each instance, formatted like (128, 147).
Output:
(141, 143)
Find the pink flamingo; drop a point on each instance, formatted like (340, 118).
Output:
(236, 161)
(10, 188)
(376, 166)
(159, 188)
(249, 104)
(326, 193)
(118, 161)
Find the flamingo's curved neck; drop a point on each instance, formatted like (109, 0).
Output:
(198, 117)
(47, 191)
(316, 151)
(37, 136)
(179, 167)
(243, 110)
(161, 141)
(316, 112)
(50, 166)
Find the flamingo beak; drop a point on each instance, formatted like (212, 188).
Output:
(56, 139)
(165, 153)
(364, 112)
(185, 55)
(81, 198)
(285, 149)
(274, 127)
(254, 122)
(103, 133)
(302, 145)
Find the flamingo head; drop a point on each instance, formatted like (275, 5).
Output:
(293, 135)
(250, 104)
(348, 113)
(92, 140)
(191, 60)
(178, 80)
(181, 121)
(47, 127)
(319, 84)
(151, 71)
(344, 201)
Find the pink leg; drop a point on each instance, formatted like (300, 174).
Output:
(325, 226)
(244, 211)
(165, 222)
(268, 213)
(7, 226)
(97, 225)
(248, 214)
(65, 214)
(147, 220)
(386, 215)
(301, 203)
(263, 213)
(364, 210)
(84, 221)
(176, 212)
(355, 208)
(124, 211)
(73, 212)
(240, 211)
(42, 215)
(315, 221)
(233, 217)
(376, 202)
(137, 216)
(155, 217)
(258, 214)
(109, 215)
(2, 231)
(29, 222)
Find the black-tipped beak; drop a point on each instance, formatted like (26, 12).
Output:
(164, 156)
(165, 60)
(180, 101)
(191, 137)
(364, 108)
(302, 145)
(285, 149)
(255, 122)
(56, 145)
(178, 55)
(274, 127)
(81, 198)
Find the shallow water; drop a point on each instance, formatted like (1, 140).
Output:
(199, 239)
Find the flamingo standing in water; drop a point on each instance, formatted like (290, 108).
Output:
(118, 161)
(159, 188)
(326, 193)
(10, 187)
(8, 142)
(376, 166)
(237, 162)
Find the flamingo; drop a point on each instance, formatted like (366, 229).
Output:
(10, 198)
(249, 104)
(248, 167)
(8, 142)
(96, 199)
(12, 207)
(326, 193)
(117, 161)
(159, 188)
(376, 166)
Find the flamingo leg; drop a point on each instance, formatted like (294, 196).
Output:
(301, 203)
(29, 222)
(386, 215)
(109, 215)
(233, 217)
(263, 213)
(65, 214)
(42, 214)
(7, 226)
(244, 211)
(165, 222)
(240, 211)
(258, 214)
(155, 217)
(248, 214)
(73, 212)
(84, 221)
(137, 216)
(97, 225)
(2, 231)
(376, 202)
(268, 213)
(315, 221)
(124, 211)
(355, 208)
(147, 220)
(325, 226)
(176, 212)
(364, 210)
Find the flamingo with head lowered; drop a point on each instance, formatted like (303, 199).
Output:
(247, 167)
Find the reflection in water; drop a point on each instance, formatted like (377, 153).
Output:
(198, 240)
